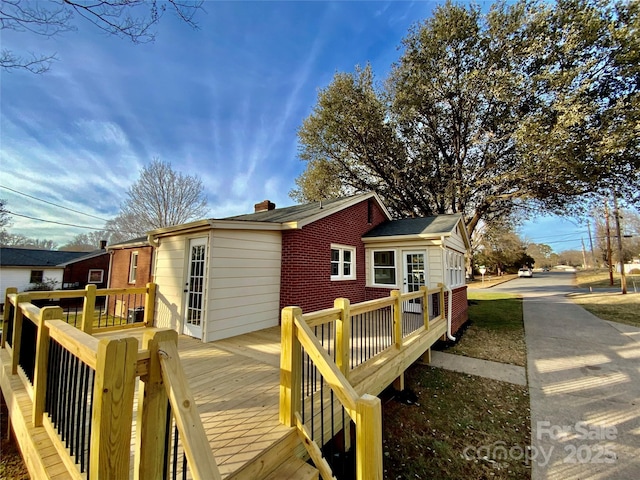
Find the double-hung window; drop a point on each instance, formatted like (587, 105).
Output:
(343, 262)
(384, 267)
(133, 267)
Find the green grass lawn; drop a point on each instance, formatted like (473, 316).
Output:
(497, 330)
(455, 421)
(611, 306)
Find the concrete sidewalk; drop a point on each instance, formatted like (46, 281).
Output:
(482, 368)
(584, 384)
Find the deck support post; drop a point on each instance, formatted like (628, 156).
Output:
(290, 367)
(112, 415)
(153, 403)
(150, 304)
(42, 360)
(368, 438)
(88, 308)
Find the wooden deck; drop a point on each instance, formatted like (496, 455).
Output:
(236, 385)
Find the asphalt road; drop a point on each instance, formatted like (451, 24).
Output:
(584, 383)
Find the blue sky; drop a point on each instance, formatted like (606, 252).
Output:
(223, 102)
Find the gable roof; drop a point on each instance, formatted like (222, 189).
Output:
(423, 227)
(25, 257)
(286, 218)
(86, 256)
(299, 215)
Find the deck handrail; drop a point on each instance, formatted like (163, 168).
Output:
(89, 295)
(82, 391)
(298, 336)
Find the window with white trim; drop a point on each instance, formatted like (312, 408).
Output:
(384, 267)
(455, 269)
(343, 262)
(95, 275)
(133, 267)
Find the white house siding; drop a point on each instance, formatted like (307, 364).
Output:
(456, 242)
(19, 277)
(435, 267)
(244, 282)
(170, 265)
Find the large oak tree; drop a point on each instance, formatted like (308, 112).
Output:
(479, 115)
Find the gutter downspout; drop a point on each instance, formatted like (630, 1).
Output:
(448, 288)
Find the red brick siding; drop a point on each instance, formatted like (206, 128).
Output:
(120, 264)
(306, 259)
(459, 308)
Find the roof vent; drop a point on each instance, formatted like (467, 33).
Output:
(264, 206)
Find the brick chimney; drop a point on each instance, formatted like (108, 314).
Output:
(264, 206)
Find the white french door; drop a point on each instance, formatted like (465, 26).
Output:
(414, 278)
(195, 288)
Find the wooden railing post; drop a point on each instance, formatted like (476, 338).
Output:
(368, 438)
(150, 304)
(6, 313)
(290, 367)
(17, 332)
(442, 302)
(397, 318)
(112, 415)
(425, 306)
(151, 423)
(88, 308)
(398, 383)
(42, 359)
(343, 334)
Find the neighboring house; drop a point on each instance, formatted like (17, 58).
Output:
(91, 268)
(26, 268)
(219, 278)
(129, 267)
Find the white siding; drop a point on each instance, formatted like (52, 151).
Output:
(169, 276)
(244, 282)
(19, 277)
(434, 266)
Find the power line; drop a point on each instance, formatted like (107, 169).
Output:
(51, 203)
(59, 223)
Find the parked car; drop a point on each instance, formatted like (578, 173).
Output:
(525, 272)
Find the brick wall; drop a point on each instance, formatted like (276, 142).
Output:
(306, 258)
(119, 278)
(77, 273)
(459, 308)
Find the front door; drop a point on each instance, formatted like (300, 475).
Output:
(414, 278)
(195, 288)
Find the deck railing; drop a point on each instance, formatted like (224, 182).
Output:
(320, 352)
(82, 390)
(92, 308)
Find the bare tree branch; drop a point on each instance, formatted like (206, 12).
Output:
(131, 19)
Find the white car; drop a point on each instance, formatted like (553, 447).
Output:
(525, 272)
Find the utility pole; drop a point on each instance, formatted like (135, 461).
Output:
(593, 252)
(606, 220)
(623, 277)
(584, 255)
